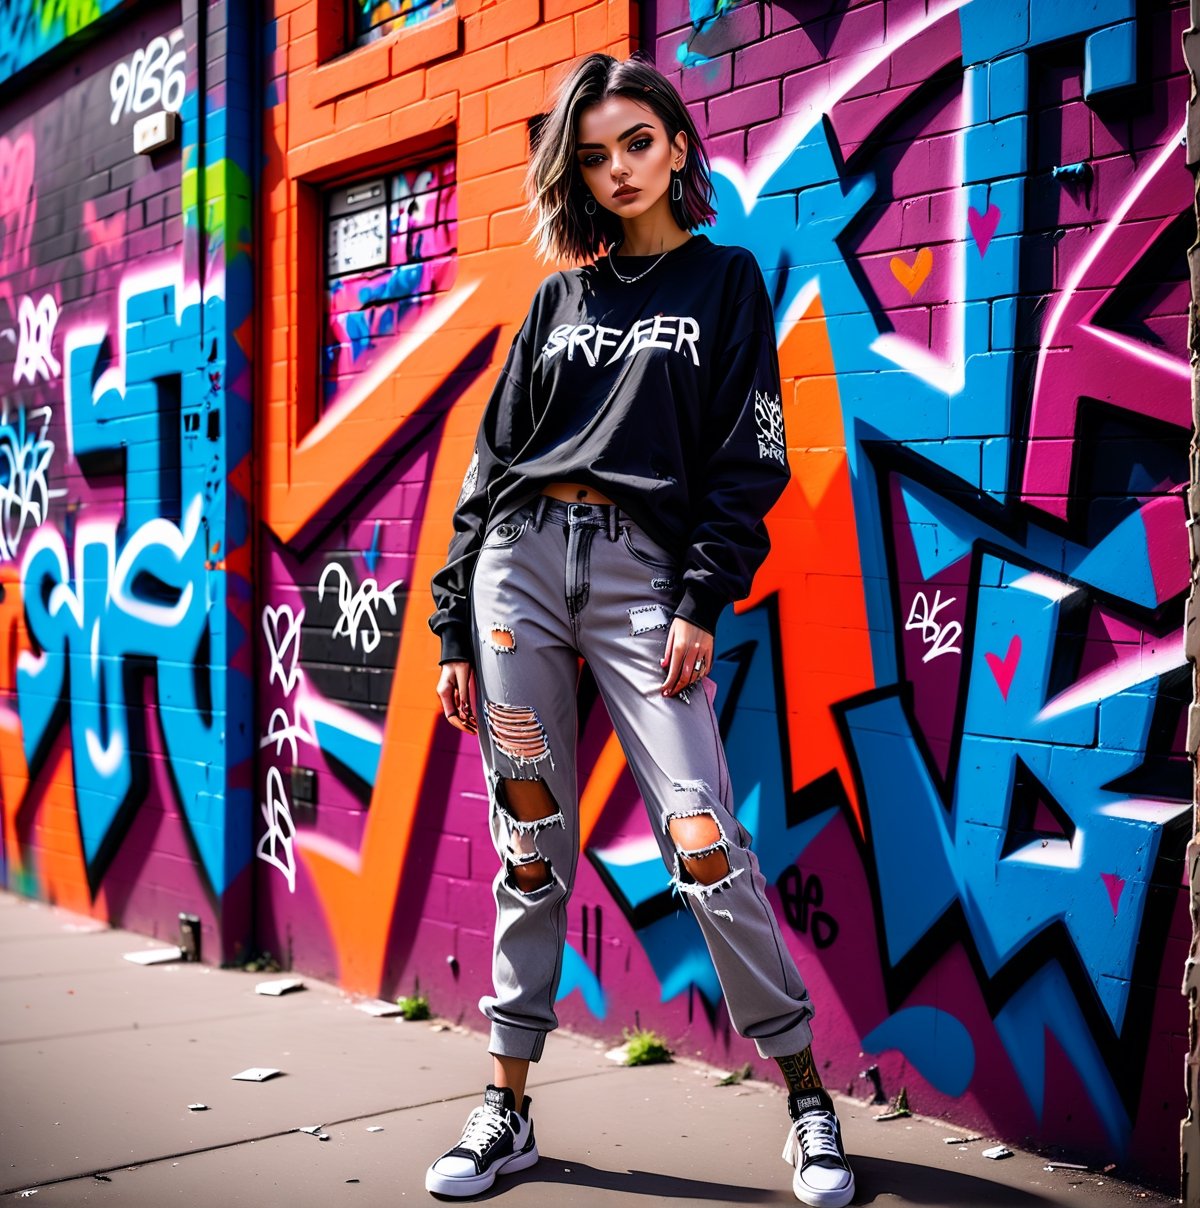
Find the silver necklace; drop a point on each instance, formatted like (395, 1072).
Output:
(631, 280)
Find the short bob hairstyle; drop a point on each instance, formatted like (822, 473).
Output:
(553, 183)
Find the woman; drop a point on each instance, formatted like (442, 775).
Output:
(613, 506)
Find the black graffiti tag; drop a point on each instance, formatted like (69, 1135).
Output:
(801, 897)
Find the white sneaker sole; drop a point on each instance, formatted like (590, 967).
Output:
(816, 1198)
(441, 1184)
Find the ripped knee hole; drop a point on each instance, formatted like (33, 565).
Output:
(528, 807)
(529, 875)
(526, 801)
(701, 849)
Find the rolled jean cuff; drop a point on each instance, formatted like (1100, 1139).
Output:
(794, 1040)
(524, 1043)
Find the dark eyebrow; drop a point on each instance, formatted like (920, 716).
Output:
(620, 137)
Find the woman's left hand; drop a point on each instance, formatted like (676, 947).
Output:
(688, 656)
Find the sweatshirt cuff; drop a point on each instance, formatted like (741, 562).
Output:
(701, 607)
(456, 644)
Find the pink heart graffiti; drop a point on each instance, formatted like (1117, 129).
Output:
(1005, 668)
(983, 226)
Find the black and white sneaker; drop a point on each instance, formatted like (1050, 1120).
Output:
(496, 1138)
(823, 1177)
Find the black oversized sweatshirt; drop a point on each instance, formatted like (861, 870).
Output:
(663, 394)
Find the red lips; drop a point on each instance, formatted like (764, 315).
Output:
(626, 192)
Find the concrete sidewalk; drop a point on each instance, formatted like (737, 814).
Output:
(101, 1058)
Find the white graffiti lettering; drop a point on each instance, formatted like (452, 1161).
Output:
(282, 629)
(924, 617)
(275, 847)
(25, 491)
(152, 78)
(282, 731)
(358, 606)
(35, 357)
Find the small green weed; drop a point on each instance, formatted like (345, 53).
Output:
(742, 1075)
(644, 1046)
(263, 962)
(414, 1006)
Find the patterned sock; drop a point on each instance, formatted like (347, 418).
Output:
(800, 1071)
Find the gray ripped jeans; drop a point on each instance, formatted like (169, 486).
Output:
(555, 581)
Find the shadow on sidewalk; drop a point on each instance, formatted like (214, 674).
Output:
(913, 1183)
(919, 1184)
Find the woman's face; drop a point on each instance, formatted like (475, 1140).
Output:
(622, 145)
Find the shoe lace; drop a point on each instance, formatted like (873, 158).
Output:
(484, 1125)
(814, 1135)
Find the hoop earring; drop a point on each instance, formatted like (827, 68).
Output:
(677, 188)
(589, 206)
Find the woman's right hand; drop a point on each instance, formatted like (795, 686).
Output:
(454, 691)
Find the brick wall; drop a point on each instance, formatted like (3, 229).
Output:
(953, 704)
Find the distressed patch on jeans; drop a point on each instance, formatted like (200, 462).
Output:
(502, 639)
(518, 732)
(647, 616)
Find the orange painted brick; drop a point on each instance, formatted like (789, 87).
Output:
(424, 117)
(470, 72)
(553, 43)
(309, 122)
(510, 227)
(302, 52)
(504, 149)
(395, 94)
(591, 29)
(516, 101)
(349, 73)
(349, 110)
(485, 194)
(472, 115)
(499, 21)
(622, 24)
(472, 235)
(360, 140)
(278, 380)
(553, 9)
(425, 42)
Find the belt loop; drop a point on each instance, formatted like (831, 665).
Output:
(612, 522)
(539, 512)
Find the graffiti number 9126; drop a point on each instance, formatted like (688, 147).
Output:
(152, 78)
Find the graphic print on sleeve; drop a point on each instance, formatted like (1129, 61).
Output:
(469, 479)
(768, 413)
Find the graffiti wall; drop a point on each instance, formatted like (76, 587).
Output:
(124, 440)
(954, 703)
